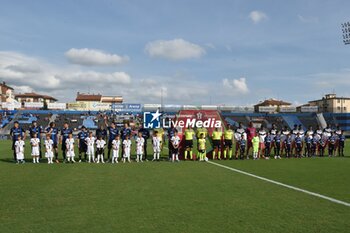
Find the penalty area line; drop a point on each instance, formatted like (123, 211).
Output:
(282, 184)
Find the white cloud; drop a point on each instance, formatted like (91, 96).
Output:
(26, 74)
(177, 49)
(236, 86)
(308, 19)
(93, 57)
(257, 16)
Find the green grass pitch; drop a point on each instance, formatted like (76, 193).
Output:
(173, 197)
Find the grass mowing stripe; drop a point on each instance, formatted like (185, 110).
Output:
(283, 185)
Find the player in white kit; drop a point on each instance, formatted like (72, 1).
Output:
(34, 142)
(175, 141)
(70, 148)
(115, 147)
(100, 147)
(19, 149)
(49, 149)
(127, 149)
(140, 141)
(156, 146)
(90, 143)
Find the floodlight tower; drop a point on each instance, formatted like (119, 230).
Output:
(346, 32)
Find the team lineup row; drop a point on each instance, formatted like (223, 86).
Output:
(263, 143)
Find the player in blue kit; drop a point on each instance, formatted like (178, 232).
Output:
(145, 135)
(331, 144)
(277, 141)
(53, 132)
(35, 129)
(82, 135)
(341, 144)
(65, 131)
(112, 133)
(171, 134)
(16, 132)
(268, 142)
(126, 131)
(298, 145)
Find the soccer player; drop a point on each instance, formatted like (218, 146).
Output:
(170, 134)
(288, 145)
(19, 149)
(268, 141)
(242, 145)
(301, 132)
(189, 134)
(160, 134)
(228, 141)
(140, 141)
(337, 134)
(255, 143)
(15, 132)
(277, 142)
(82, 146)
(34, 142)
(262, 135)
(201, 147)
(175, 141)
(126, 148)
(322, 146)
(112, 132)
(65, 131)
(70, 148)
(250, 132)
(331, 144)
(115, 147)
(314, 144)
(298, 145)
(53, 132)
(90, 151)
(216, 138)
(308, 142)
(34, 128)
(285, 133)
(49, 149)
(145, 135)
(273, 132)
(294, 134)
(341, 144)
(156, 146)
(126, 131)
(100, 147)
(238, 135)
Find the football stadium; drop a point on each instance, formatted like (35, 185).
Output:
(186, 116)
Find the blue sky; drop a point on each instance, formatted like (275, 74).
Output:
(198, 52)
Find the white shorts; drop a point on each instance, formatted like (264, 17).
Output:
(139, 151)
(115, 153)
(19, 155)
(70, 153)
(127, 153)
(49, 154)
(90, 150)
(35, 151)
(156, 149)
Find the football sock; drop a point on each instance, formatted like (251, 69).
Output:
(230, 153)
(214, 154)
(191, 154)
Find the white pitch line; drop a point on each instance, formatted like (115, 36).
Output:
(283, 185)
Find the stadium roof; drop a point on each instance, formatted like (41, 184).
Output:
(272, 102)
(88, 97)
(35, 95)
(3, 84)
